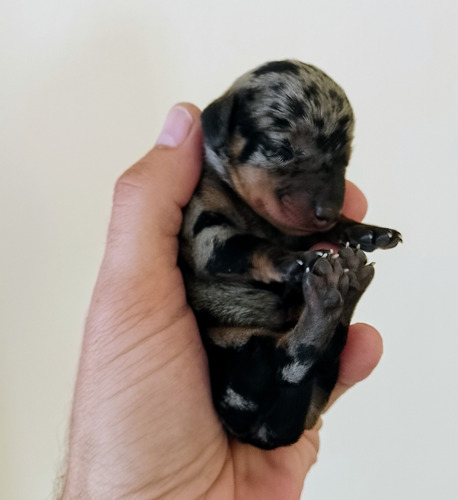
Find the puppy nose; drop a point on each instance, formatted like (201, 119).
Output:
(324, 216)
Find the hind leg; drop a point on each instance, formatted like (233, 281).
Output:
(308, 358)
(359, 274)
(270, 388)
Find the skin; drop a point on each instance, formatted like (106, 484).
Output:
(143, 425)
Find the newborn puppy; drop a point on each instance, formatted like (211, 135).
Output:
(274, 314)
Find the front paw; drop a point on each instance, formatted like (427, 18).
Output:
(293, 265)
(369, 238)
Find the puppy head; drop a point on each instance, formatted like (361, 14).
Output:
(281, 137)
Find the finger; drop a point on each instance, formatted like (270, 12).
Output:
(149, 197)
(360, 356)
(355, 203)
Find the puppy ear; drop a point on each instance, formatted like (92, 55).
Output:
(216, 119)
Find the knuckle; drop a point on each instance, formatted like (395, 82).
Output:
(132, 180)
(142, 175)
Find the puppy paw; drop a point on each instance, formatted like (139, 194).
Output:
(334, 282)
(360, 274)
(369, 238)
(291, 266)
(325, 283)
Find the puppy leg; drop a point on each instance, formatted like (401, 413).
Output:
(244, 305)
(359, 276)
(267, 295)
(368, 237)
(270, 388)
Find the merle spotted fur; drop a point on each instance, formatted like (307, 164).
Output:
(273, 313)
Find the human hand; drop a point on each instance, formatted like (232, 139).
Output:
(143, 424)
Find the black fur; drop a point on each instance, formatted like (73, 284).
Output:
(273, 314)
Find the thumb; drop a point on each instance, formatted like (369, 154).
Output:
(149, 197)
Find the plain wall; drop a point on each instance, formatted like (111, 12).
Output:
(84, 88)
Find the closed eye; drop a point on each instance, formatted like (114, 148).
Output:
(280, 153)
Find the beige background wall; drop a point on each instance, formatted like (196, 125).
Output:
(84, 87)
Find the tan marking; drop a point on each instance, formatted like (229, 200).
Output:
(214, 200)
(237, 145)
(257, 188)
(318, 402)
(252, 184)
(237, 336)
(263, 269)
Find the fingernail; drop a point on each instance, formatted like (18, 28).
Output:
(176, 127)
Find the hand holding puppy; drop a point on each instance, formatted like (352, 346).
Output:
(143, 424)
